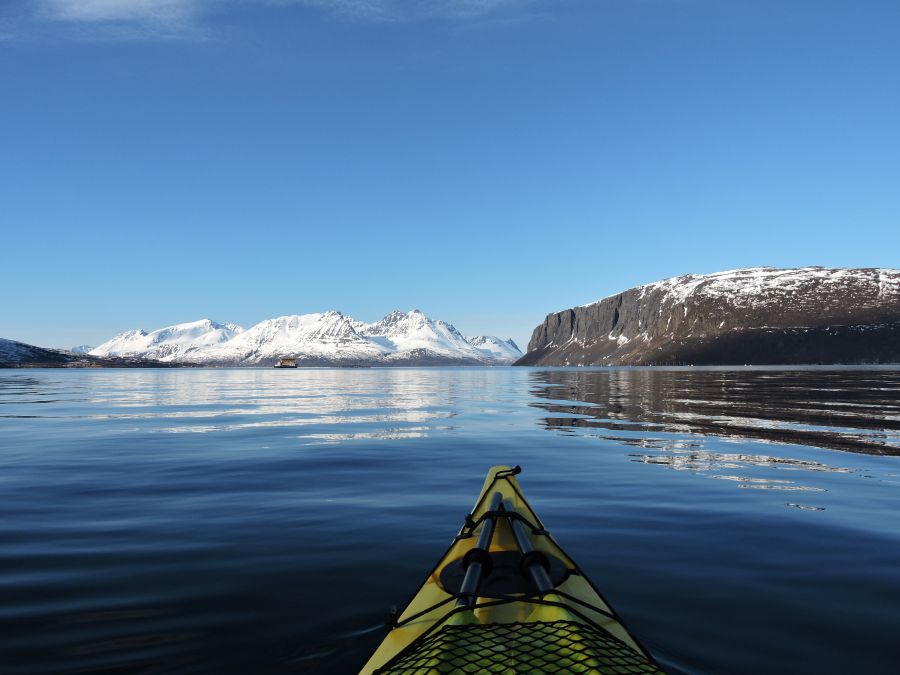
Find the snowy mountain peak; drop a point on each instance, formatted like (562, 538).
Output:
(406, 331)
(404, 338)
(324, 325)
(496, 348)
(171, 343)
(393, 317)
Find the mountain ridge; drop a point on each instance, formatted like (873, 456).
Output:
(324, 338)
(758, 315)
(15, 354)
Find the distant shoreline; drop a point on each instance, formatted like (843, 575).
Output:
(587, 368)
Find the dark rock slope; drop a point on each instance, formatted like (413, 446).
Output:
(749, 316)
(21, 355)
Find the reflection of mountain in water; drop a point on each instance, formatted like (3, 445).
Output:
(852, 410)
(324, 406)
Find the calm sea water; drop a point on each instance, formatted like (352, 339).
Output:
(195, 521)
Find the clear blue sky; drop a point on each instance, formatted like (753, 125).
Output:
(487, 161)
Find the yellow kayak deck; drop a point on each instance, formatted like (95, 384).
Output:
(532, 609)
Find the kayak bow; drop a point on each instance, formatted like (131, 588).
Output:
(505, 598)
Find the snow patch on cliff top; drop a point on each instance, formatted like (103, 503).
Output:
(751, 285)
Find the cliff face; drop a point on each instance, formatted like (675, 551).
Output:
(751, 316)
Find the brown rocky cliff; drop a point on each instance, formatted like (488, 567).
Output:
(759, 315)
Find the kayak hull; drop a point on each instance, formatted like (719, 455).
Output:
(508, 625)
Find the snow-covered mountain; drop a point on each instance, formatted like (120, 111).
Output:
(171, 343)
(328, 338)
(314, 338)
(496, 348)
(759, 315)
(409, 331)
(15, 354)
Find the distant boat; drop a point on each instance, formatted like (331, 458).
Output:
(286, 363)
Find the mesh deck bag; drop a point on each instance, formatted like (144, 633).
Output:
(512, 648)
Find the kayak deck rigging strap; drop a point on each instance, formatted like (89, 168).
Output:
(467, 596)
(495, 600)
(472, 524)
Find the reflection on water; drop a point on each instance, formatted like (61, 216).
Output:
(222, 401)
(264, 521)
(712, 463)
(852, 410)
(676, 412)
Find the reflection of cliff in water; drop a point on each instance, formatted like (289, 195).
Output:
(852, 410)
